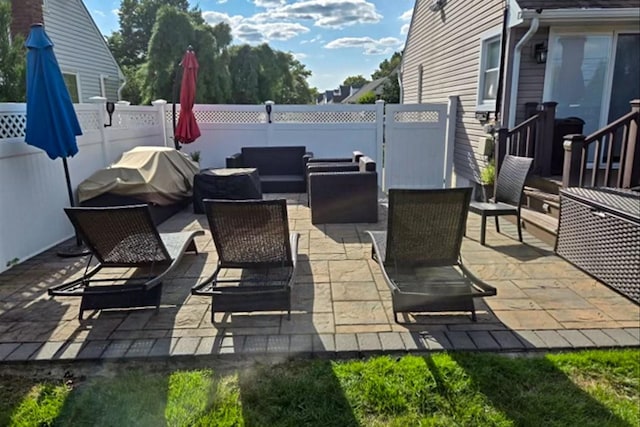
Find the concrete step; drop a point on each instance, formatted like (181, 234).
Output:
(541, 225)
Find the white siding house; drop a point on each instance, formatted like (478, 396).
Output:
(88, 66)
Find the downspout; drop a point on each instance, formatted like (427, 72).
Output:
(121, 87)
(535, 23)
(401, 95)
(503, 51)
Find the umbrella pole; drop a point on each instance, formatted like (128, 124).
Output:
(78, 249)
(173, 95)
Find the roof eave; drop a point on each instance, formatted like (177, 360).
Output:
(550, 16)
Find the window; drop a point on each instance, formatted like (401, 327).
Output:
(71, 81)
(489, 70)
(420, 76)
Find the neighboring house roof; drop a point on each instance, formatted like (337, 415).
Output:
(577, 4)
(375, 86)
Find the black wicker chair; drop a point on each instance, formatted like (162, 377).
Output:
(419, 254)
(508, 197)
(123, 237)
(252, 236)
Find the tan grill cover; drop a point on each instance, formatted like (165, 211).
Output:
(156, 175)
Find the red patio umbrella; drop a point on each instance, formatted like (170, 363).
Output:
(187, 129)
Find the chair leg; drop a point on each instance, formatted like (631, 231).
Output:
(473, 315)
(519, 228)
(483, 229)
(497, 224)
(395, 316)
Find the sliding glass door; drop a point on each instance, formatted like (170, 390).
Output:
(593, 75)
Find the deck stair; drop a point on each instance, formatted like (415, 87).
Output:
(541, 208)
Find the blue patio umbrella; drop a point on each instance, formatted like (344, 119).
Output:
(52, 124)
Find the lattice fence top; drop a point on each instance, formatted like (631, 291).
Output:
(324, 117)
(416, 117)
(258, 117)
(12, 125)
(134, 119)
(89, 120)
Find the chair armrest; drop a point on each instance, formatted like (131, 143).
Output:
(234, 161)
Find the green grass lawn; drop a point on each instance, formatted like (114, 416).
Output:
(591, 388)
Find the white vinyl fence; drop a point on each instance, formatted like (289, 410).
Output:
(33, 188)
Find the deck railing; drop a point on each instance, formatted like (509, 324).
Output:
(532, 138)
(583, 155)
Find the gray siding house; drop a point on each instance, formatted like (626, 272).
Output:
(86, 62)
(582, 54)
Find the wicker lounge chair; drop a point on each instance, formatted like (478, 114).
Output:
(419, 254)
(251, 236)
(508, 198)
(123, 237)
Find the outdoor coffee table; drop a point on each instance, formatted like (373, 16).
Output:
(227, 183)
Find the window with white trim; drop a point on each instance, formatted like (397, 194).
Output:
(71, 81)
(489, 73)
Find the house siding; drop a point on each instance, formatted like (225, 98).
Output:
(531, 83)
(80, 48)
(447, 44)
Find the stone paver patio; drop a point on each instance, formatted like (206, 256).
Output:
(341, 305)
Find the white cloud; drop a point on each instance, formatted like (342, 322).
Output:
(313, 40)
(98, 12)
(326, 13)
(406, 16)
(247, 30)
(222, 1)
(383, 46)
(299, 56)
(267, 4)
(115, 11)
(405, 28)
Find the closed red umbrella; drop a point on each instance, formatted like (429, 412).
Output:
(187, 129)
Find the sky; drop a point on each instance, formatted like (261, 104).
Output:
(334, 39)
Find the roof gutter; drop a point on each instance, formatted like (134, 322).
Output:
(517, 55)
(582, 15)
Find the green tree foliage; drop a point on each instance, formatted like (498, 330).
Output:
(12, 61)
(368, 98)
(172, 32)
(355, 81)
(391, 90)
(387, 66)
(149, 47)
(137, 19)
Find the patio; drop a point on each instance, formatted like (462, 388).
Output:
(341, 305)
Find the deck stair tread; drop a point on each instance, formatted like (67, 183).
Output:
(550, 198)
(541, 220)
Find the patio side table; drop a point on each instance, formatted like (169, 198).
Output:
(226, 183)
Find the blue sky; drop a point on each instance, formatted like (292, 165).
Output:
(333, 38)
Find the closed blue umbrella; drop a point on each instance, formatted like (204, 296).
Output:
(52, 124)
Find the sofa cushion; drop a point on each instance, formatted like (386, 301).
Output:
(274, 160)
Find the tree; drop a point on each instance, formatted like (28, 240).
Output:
(387, 66)
(368, 98)
(172, 32)
(391, 89)
(137, 18)
(12, 61)
(355, 81)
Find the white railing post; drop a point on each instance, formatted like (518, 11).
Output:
(161, 106)
(268, 106)
(100, 104)
(452, 114)
(380, 140)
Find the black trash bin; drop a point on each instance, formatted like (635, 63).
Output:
(562, 127)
